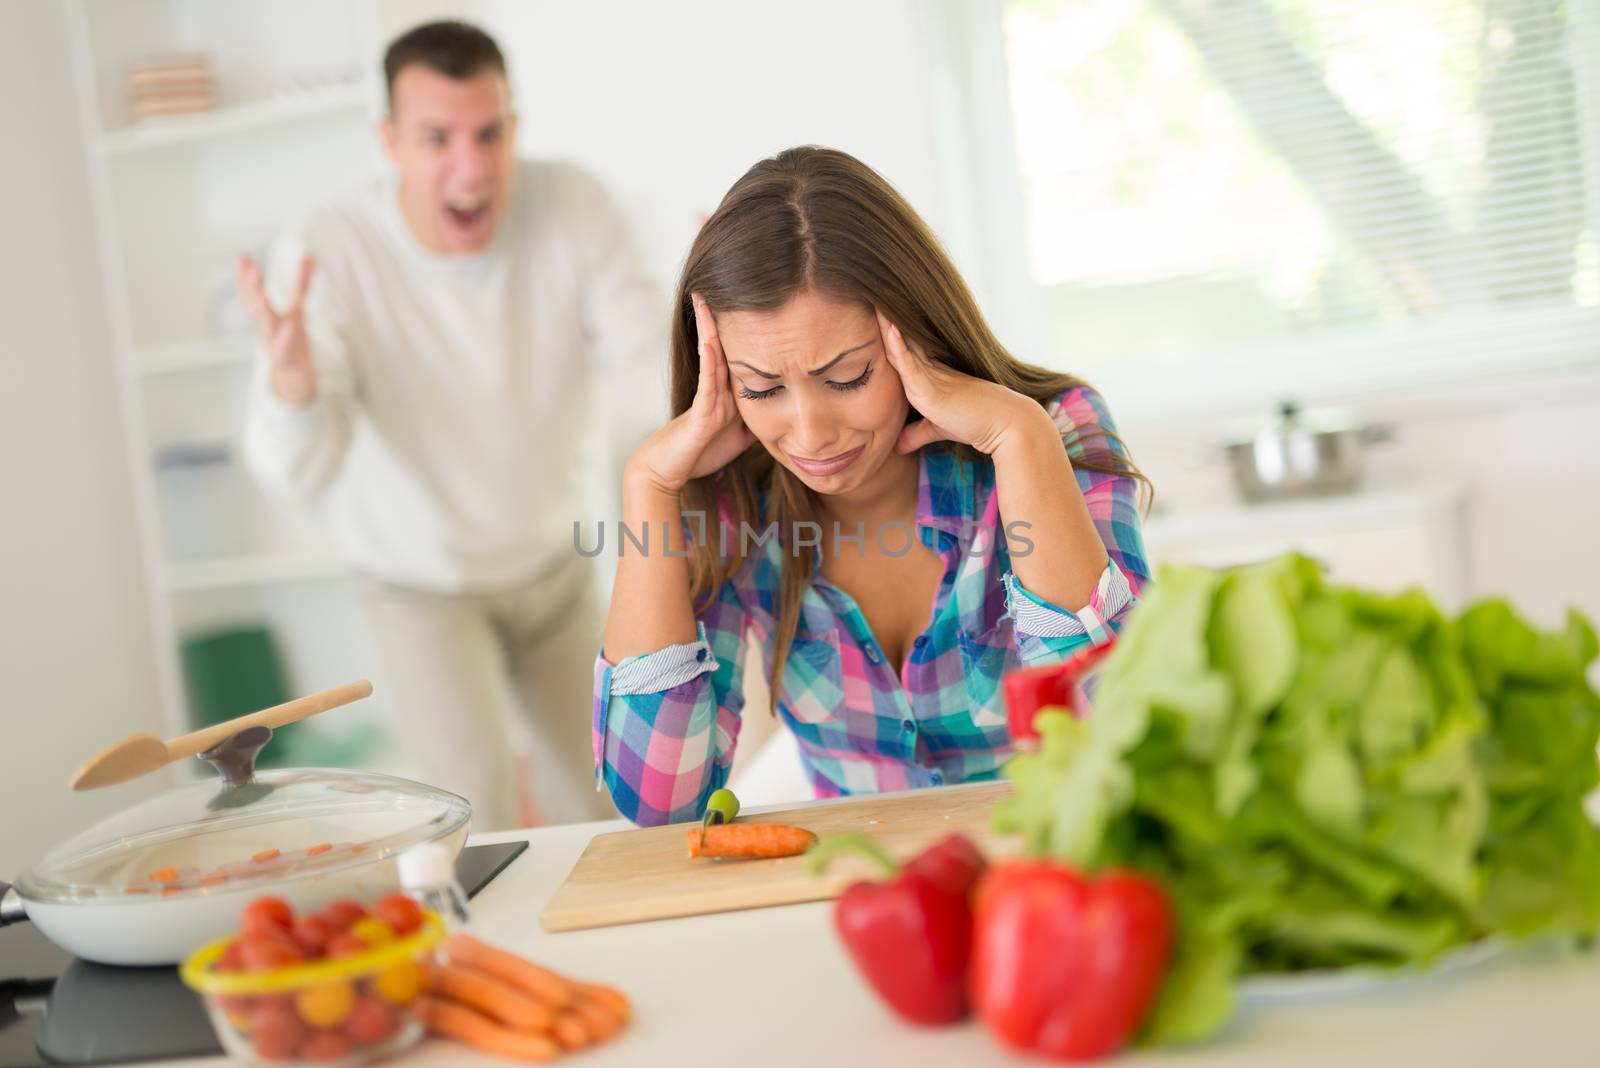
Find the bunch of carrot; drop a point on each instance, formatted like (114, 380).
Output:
(504, 1004)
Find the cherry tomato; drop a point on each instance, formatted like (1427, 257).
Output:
(266, 914)
(326, 1004)
(276, 1032)
(327, 1046)
(313, 933)
(402, 914)
(399, 984)
(371, 1022)
(232, 959)
(344, 912)
(269, 952)
(344, 945)
(232, 1003)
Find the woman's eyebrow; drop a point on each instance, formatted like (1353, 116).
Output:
(825, 367)
(819, 371)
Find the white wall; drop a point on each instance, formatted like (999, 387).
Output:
(77, 666)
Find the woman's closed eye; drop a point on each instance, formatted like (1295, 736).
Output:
(844, 387)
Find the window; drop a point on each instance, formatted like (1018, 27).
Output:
(1368, 187)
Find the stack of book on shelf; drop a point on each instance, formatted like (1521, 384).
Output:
(170, 85)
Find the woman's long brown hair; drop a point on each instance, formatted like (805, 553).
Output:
(818, 218)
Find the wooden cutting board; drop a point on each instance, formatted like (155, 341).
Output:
(636, 875)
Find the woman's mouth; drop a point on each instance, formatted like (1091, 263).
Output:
(829, 466)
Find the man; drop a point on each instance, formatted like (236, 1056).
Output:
(431, 345)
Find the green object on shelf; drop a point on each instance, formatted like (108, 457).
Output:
(234, 671)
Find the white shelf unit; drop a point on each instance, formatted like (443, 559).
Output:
(194, 355)
(174, 199)
(239, 119)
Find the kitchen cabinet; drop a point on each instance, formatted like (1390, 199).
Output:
(1384, 539)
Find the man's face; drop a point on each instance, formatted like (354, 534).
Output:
(452, 141)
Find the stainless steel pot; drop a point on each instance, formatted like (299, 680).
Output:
(1302, 457)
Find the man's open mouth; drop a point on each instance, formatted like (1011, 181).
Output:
(468, 214)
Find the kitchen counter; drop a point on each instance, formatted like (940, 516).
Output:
(773, 987)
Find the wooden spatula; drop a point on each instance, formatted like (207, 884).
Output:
(139, 754)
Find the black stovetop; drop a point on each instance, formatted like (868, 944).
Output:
(56, 1009)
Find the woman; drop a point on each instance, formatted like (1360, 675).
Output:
(898, 509)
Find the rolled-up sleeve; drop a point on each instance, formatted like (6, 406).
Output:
(665, 722)
(1046, 632)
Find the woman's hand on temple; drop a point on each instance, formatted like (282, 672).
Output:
(954, 406)
(708, 436)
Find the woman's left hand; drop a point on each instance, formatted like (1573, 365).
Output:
(954, 406)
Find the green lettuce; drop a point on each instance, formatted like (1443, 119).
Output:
(1324, 776)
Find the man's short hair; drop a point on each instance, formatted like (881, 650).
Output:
(455, 49)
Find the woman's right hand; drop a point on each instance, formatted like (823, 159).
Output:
(708, 436)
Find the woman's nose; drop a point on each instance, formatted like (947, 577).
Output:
(814, 428)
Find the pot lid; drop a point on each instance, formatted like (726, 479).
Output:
(246, 828)
(1290, 419)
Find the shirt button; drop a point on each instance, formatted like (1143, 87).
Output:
(921, 643)
(700, 655)
(937, 777)
(872, 653)
(909, 726)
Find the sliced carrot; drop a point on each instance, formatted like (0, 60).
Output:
(554, 990)
(570, 1031)
(491, 996)
(750, 840)
(319, 848)
(265, 855)
(165, 875)
(456, 1021)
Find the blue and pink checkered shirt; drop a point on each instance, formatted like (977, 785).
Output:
(665, 723)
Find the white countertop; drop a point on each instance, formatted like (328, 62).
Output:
(773, 987)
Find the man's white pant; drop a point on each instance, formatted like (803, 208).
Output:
(489, 694)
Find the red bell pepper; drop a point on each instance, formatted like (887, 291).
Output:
(911, 935)
(1027, 690)
(1064, 964)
